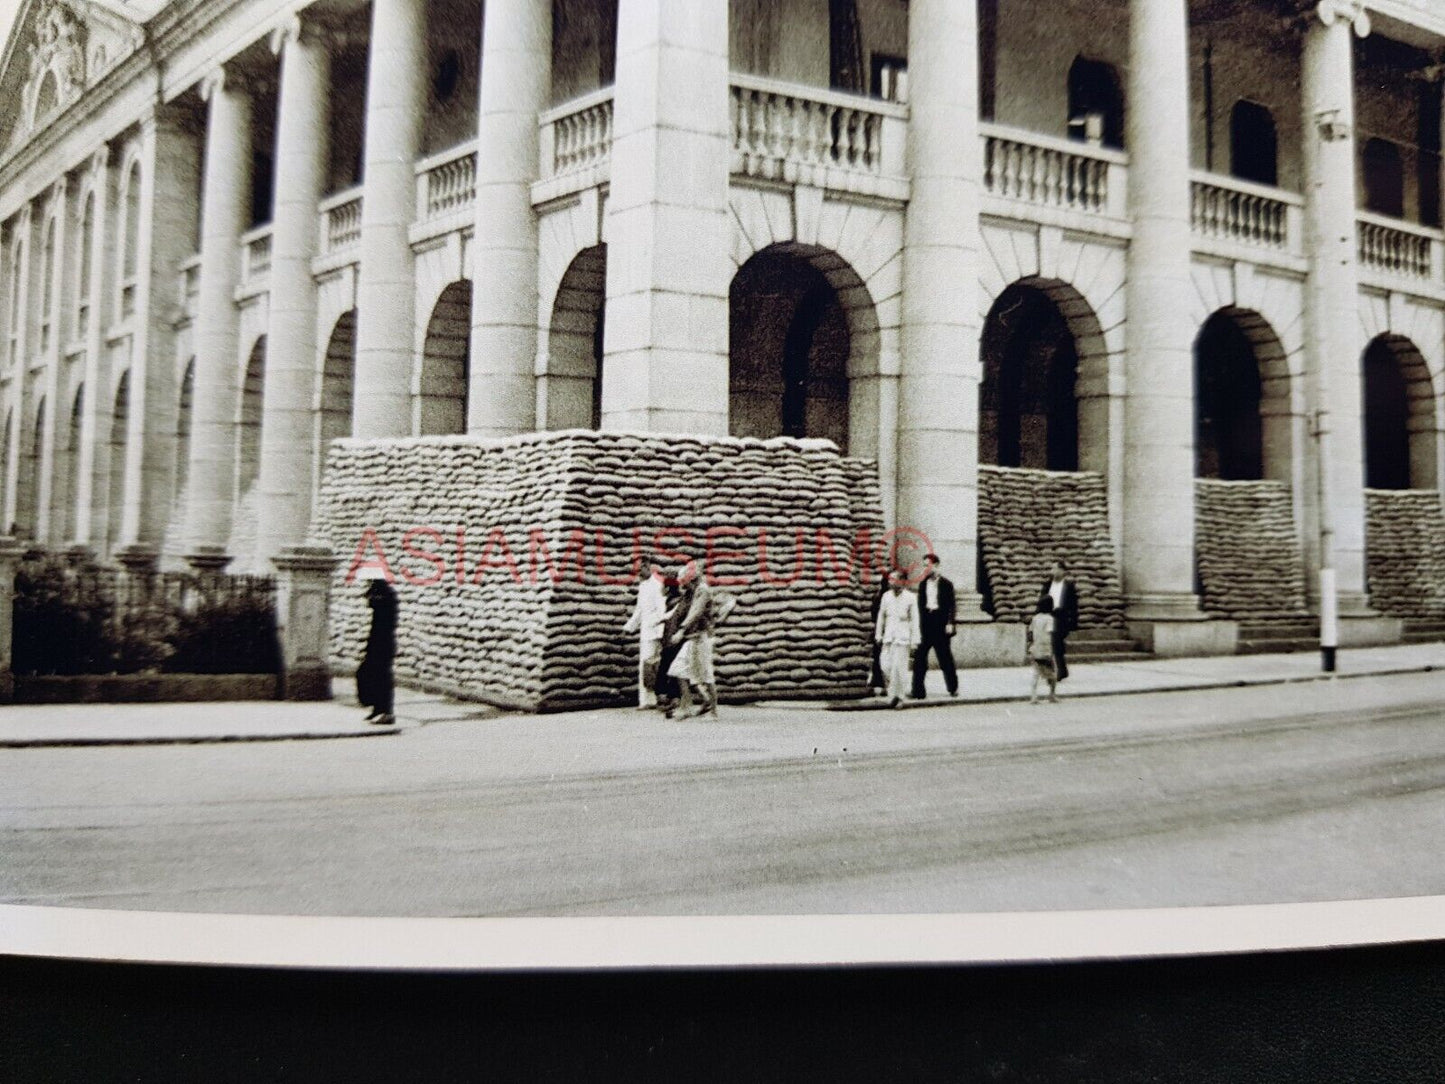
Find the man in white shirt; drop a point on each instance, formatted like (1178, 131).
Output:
(1065, 597)
(897, 633)
(646, 621)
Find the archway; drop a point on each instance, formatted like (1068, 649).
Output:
(184, 412)
(338, 376)
(67, 458)
(572, 397)
(802, 329)
(119, 438)
(1399, 422)
(1241, 399)
(1384, 177)
(34, 468)
(1096, 103)
(248, 420)
(1253, 143)
(441, 397)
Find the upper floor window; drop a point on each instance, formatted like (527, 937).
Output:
(12, 325)
(47, 286)
(1096, 103)
(1384, 177)
(890, 78)
(130, 241)
(83, 271)
(1253, 144)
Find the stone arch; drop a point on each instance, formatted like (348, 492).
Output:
(445, 365)
(185, 411)
(83, 264)
(1401, 427)
(1243, 401)
(32, 464)
(115, 482)
(48, 306)
(571, 394)
(1073, 433)
(803, 335)
(67, 458)
(337, 387)
(248, 419)
(130, 225)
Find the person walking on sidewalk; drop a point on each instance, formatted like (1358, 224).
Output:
(646, 620)
(1040, 638)
(876, 680)
(693, 666)
(897, 633)
(1061, 591)
(375, 687)
(935, 619)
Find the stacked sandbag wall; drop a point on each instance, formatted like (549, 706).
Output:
(1247, 551)
(551, 639)
(1405, 552)
(1026, 519)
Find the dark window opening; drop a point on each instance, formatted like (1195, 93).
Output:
(1387, 418)
(890, 78)
(1096, 103)
(1384, 178)
(1228, 430)
(1253, 144)
(1028, 410)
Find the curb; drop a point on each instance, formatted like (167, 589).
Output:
(218, 739)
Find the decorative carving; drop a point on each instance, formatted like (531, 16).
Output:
(56, 63)
(1351, 11)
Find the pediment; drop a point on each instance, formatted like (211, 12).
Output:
(57, 49)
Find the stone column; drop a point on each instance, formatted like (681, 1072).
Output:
(386, 287)
(303, 594)
(16, 404)
(11, 550)
(516, 85)
(665, 340)
(288, 433)
(937, 436)
(89, 490)
(1158, 538)
(1333, 341)
(59, 318)
(225, 212)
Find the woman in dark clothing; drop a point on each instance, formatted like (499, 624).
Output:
(374, 686)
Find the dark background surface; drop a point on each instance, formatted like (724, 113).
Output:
(1347, 1015)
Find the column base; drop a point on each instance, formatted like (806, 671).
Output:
(139, 558)
(1173, 626)
(79, 555)
(313, 683)
(988, 643)
(212, 559)
(1359, 630)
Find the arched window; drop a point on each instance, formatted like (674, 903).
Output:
(1096, 103)
(1253, 144)
(12, 325)
(130, 241)
(82, 271)
(47, 285)
(1384, 178)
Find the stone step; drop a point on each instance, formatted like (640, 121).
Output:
(1135, 655)
(1079, 647)
(1280, 646)
(1294, 630)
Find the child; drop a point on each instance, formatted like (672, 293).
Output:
(1041, 650)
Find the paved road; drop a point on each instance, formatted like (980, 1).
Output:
(1274, 794)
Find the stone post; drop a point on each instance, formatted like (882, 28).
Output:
(17, 404)
(11, 550)
(1333, 341)
(90, 496)
(225, 211)
(386, 286)
(1158, 507)
(303, 597)
(516, 85)
(59, 318)
(665, 341)
(288, 425)
(937, 434)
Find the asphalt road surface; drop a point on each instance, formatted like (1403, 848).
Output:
(1273, 794)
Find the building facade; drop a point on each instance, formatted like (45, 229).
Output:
(1153, 240)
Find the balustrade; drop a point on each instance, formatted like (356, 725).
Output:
(1226, 209)
(1397, 248)
(256, 253)
(447, 183)
(784, 131)
(1051, 172)
(340, 221)
(577, 135)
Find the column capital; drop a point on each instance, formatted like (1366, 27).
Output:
(228, 75)
(100, 160)
(305, 28)
(1329, 12)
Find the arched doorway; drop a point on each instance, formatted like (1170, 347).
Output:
(1399, 423)
(1253, 143)
(441, 389)
(572, 394)
(797, 333)
(338, 378)
(1384, 177)
(115, 488)
(1096, 103)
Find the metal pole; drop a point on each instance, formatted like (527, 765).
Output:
(1329, 601)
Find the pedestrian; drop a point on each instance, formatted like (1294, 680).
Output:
(897, 633)
(666, 686)
(1065, 597)
(646, 620)
(876, 680)
(1040, 639)
(375, 688)
(693, 666)
(935, 621)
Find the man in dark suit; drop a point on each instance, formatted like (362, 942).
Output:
(935, 618)
(1066, 611)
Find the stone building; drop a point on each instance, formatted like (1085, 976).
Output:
(1182, 246)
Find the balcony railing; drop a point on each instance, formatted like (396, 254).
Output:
(807, 135)
(1227, 209)
(340, 221)
(576, 135)
(1052, 172)
(256, 254)
(446, 183)
(188, 283)
(1397, 248)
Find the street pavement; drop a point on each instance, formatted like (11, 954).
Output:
(1315, 790)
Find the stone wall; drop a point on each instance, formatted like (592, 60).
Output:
(522, 626)
(1026, 518)
(1405, 552)
(1247, 551)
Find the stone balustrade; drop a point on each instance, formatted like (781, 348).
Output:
(1228, 209)
(340, 216)
(807, 135)
(188, 284)
(256, 254)
(446, 183)
(576, 135)
(1398, 249)
(1052, 172)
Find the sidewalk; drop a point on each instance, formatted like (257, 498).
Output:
(127, 724)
